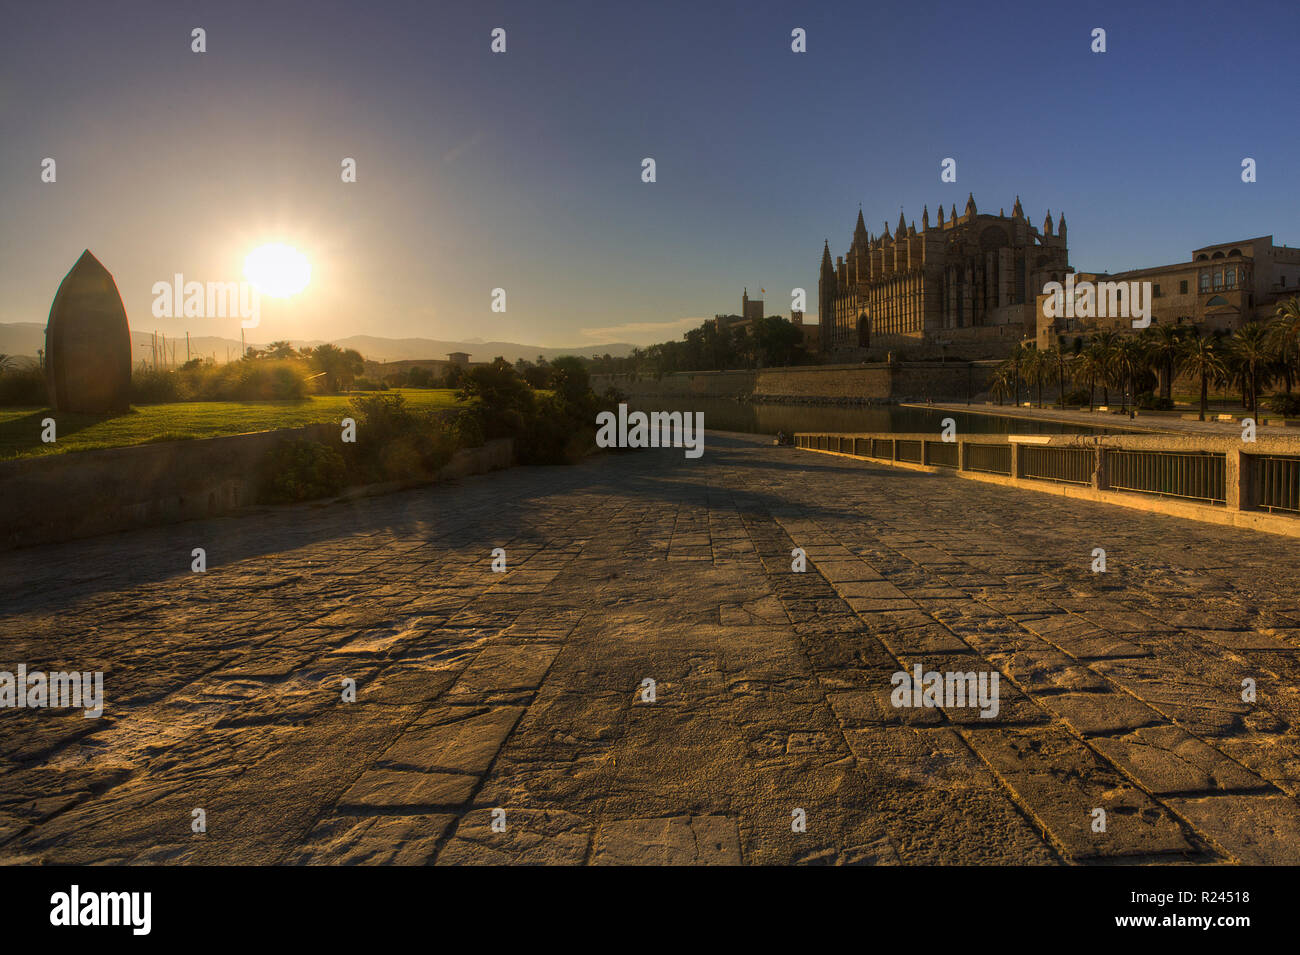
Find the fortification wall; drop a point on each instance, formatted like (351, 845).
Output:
(875, 382)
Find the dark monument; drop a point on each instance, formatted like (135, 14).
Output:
(88, 343)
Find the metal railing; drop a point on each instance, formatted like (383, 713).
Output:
(1064, 465)
(1222, 478)
(943, 454)
(1276, 482)
(909, 451)
(1194, 475)
(990, 458)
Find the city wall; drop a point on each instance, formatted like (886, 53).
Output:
(877, 382)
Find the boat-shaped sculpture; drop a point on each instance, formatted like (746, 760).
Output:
(88, 343)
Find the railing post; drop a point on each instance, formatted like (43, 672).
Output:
(1100, 479)
(925, 451)
(963, 460)
(1015, 459)
(1236, 480)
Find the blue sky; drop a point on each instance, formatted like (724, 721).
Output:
(522, 170)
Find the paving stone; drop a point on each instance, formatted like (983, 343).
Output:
(522, 691)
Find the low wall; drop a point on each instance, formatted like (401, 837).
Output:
(85, 493)
(873, 382)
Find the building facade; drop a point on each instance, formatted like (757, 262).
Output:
(1221, 286)
(967, 280)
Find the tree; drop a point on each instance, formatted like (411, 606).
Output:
(280, 349)
(570, 380)
(1252, 352)
(1201, 358)
(1036, 368)
(1164, 344)
(1128, 361)
(1284, 336)
(1103, 346)
(1091, 366)
(338, 366)
(1000, 383)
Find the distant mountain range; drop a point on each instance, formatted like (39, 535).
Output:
(25, 338)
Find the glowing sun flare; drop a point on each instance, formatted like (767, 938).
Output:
(277, 270)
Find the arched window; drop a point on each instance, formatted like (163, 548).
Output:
(1236, 252)
(1217, 255)
(1202, 258)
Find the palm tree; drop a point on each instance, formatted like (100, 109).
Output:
(1019, 358)
(1001, 381)
(6, 362)
(1093, 366)
(1251, 349)
(279, 349)
(1104, 343)
(1127, 361)
(1035, 369)
(1164, 344)
(1201, 358)
(1057, 352)
(1284, 332)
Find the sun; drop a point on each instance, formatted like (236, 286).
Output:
(277, 270)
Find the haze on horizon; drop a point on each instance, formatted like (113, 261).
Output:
(522, 170)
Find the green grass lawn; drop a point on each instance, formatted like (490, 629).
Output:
(20, 428)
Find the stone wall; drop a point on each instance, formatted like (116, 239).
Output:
(876, 382)
(84, 493)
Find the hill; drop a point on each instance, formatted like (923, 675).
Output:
(25, 338)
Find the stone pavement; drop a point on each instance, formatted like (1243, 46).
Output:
(523, 691)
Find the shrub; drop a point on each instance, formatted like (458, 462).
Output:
(1287, 405)
(394, 442)
(155, 387)
(1077, 397)
(247, 380)
(23, 385)
(468, 430)
(302, 470)
(1151, 402)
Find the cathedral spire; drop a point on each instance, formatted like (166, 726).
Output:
(885, 234)
(941, 215)
(1047, 223)
(902, 224)
(925, 217)
(1016, 210)
(954, 212)
(970, 205)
